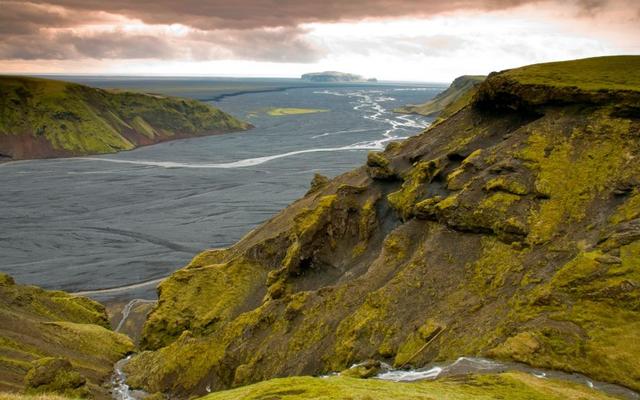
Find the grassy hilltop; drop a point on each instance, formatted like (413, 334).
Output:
(509, 230)
(42, 118)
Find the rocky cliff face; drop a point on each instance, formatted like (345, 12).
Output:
(509, 230)
(41, 118)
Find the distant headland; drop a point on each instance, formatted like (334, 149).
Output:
(335, 76)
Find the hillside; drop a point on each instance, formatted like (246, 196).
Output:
(54, 342)
(512, 386)
(456, 96)
(332, 76)
(510, 230)
(41, 118)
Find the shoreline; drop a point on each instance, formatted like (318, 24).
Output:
(5, 161)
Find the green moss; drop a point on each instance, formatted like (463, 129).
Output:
(193, 358)
(599, 73)
(404, 199)
(143, 127)
(571, 173)
(75, 119)
(455, 180)
(520, 346)
(450, 101)
(37, 324)
(317, 183)
(474, 158)
(215, 295)
(367, 224)
(309, 221)
(595, 309)
(56, 375)
(427, 207)
(628, 210)
(515, 386)
(379, 166)
(367, 324)
(396, 246)
(495, 265)
(448, 203)
(506, 185)
(17, 396)
(500, 201)
(416, 343)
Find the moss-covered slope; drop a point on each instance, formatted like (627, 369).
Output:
(55, 342)
(509, 230)
(42, 118)
(459, 93)
(512, 386)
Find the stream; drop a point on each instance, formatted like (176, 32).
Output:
(472, 365)
(463, 366)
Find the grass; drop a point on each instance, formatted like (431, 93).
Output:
(36, 324)
(592, 74)
(62, 118)
(458, 93)
(496, 261)
(16, 396)
(514, 386)
(278, 112)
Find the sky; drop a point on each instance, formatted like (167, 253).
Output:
(406, 40)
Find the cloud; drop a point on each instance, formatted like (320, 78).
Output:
(258, 30)
(265, 44)
(253, 14)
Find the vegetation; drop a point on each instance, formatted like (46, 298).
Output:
(509, 230)
(592, 74)
(278, 112)
(15, 396)
(55, 342)
(514, 386)
(47, 118)
(457, 95)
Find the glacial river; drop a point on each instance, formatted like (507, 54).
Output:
(124, 221)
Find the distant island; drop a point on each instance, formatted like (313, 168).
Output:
(43, 118)
(335, 76)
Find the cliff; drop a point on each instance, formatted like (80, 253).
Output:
(456, 96)
(41, 118)
(509, 230)
(54, 342)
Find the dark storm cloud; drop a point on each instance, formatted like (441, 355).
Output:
(67, 45)
(252, 14)
(277, 45)
(22, 18)
(265, 30)
(263, 44)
